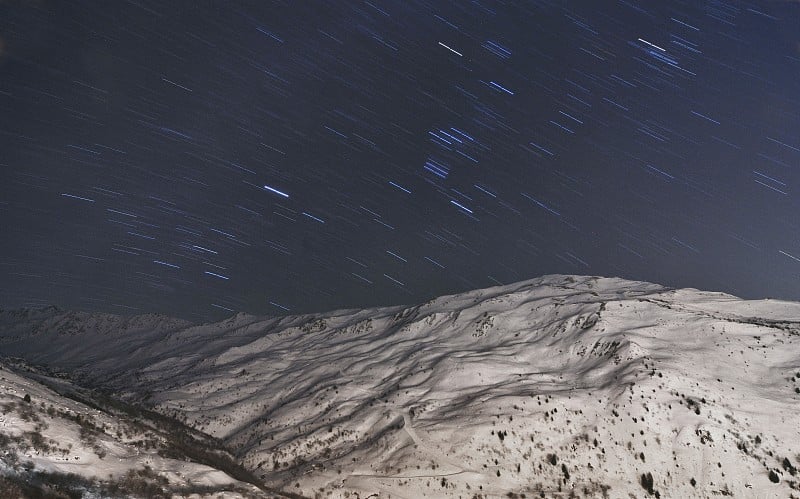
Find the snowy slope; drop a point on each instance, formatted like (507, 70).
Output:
(559, 385)
(59, 445)
(81, 337)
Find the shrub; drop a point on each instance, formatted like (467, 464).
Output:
(647, 482)
(787, 465)
(37, 441)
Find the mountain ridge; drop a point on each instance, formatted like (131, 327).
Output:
(567, 384)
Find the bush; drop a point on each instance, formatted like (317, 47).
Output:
(37, 441)
(647, 482)
(787, 465)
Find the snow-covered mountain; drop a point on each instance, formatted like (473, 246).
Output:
(558, 386)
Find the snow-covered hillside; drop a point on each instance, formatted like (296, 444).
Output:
(58, 440)
(558, 386)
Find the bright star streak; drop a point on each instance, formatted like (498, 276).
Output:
(276, 191)
(217, 275)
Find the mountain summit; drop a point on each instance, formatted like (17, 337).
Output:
(554, 387)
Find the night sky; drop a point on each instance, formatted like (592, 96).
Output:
(199, 158)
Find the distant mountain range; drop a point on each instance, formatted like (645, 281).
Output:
(561, 386)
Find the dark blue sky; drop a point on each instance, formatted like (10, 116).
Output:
(198, 158)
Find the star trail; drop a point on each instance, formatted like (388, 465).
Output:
(200, 158)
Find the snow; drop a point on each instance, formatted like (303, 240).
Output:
(555, 385)
(45, 432)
